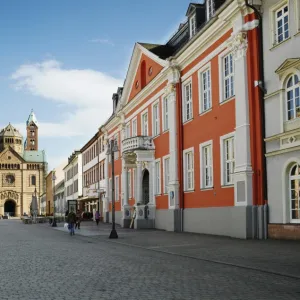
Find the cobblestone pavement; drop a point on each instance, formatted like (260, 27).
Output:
(37, 262)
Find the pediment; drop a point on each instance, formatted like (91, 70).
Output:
(10, 156)
(142, 60)
(288, 64)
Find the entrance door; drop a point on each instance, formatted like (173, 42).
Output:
(10, 208)
(145, 186)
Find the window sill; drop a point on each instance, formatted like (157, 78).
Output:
(227, 100)
(207, 188)
(278, 44)
(189, 191)
(188, 121)
(227, 186)
(205, 112)
(297, 34)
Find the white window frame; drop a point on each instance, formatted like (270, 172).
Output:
(190, 102)
(142, 123)
(185, 171)
(293, 89)
(155, 122)
(116, 154)
(157, 177)
(221, 58)
(203, 70)
(166, 175)
(117, 188)
(192, 25)
(223, 138)
(206, 168)
(134, 127)
(127, 131)
(290, 178)
(165, 113)
(210, 9)
(129, 180)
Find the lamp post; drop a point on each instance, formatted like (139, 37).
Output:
(112, 148)
(53, 180)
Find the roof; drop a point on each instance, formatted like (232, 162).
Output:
(90, 142)
(10, 131)
(32, 118)
(162, 51)
(34, 156)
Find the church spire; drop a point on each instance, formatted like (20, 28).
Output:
(31, 143)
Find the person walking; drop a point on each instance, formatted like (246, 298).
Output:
(97, 217)
(78, 219)
(71, 221)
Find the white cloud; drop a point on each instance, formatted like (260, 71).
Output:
(102, 41)
(88, 92)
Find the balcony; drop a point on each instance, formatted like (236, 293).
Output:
(137, 143)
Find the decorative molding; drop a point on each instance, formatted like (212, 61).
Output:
(238, 44)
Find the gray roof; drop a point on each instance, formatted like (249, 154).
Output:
(10, 131)
(34, 156)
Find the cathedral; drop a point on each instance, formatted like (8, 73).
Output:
(23, 168)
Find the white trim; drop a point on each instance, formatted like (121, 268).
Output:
(136, 127)
(192, 25)
(165, 190)
(202, 175)
(117, 191)
(134, 183)
(221, 77)
(157, 102)
(210, 14)
(184, 84)
(142, 124)
(205, 68)
(129, 182)
(297, 15)
(222, 153)
(185, 170)
(157, 190)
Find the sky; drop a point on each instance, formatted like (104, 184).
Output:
(65, 58)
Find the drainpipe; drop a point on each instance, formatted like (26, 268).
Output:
(262, 92)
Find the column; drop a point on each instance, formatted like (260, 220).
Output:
(138, 182)
(152, 183)
(124, 183)
(243, 169)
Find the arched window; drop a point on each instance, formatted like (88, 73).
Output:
(295, 194)
(293, 97)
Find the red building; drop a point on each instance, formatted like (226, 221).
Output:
(188, 127)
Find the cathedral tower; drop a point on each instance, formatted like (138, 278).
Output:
(32, 133)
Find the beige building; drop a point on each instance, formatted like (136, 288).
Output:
(22, 169)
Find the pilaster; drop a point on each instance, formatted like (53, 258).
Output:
(138, 182)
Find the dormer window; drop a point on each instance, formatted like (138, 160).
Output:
(210, 9)
(193, 25)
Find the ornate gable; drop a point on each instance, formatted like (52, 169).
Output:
(143, 68)
(10, 156)
(287, 65)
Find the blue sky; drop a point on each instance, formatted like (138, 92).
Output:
(65, 58)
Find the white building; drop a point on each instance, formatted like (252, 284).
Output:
(73, 178)
(93, 171)
(59, 201)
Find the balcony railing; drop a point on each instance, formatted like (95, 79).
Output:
(137, 143)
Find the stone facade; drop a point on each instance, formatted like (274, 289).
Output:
(21, 174)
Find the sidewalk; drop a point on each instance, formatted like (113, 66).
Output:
(272, 256)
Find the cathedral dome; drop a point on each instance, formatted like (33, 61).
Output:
(10, 131)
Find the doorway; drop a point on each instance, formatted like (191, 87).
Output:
(10, 208)
(145, 187)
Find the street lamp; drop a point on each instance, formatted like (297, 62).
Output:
(53, 180)
(112, 148)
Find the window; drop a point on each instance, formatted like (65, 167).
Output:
(127, 131)
(129, 185)
(295, 194)
(282, 24)
(155, 121)
(210, 9)
(33, 180)
(206, 165)
(227, 158)
(192, 26)
(228, 73)
(293, 97)
(205, 91)
(187, 105)
(165, 114)
(188, 169)
(157, 177)
(145, 124)
(166, 174)
(134, 127)
(117, 189)
(116, 140)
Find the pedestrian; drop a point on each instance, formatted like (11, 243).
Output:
(97, 217)
(71, 221)
(78, 219)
